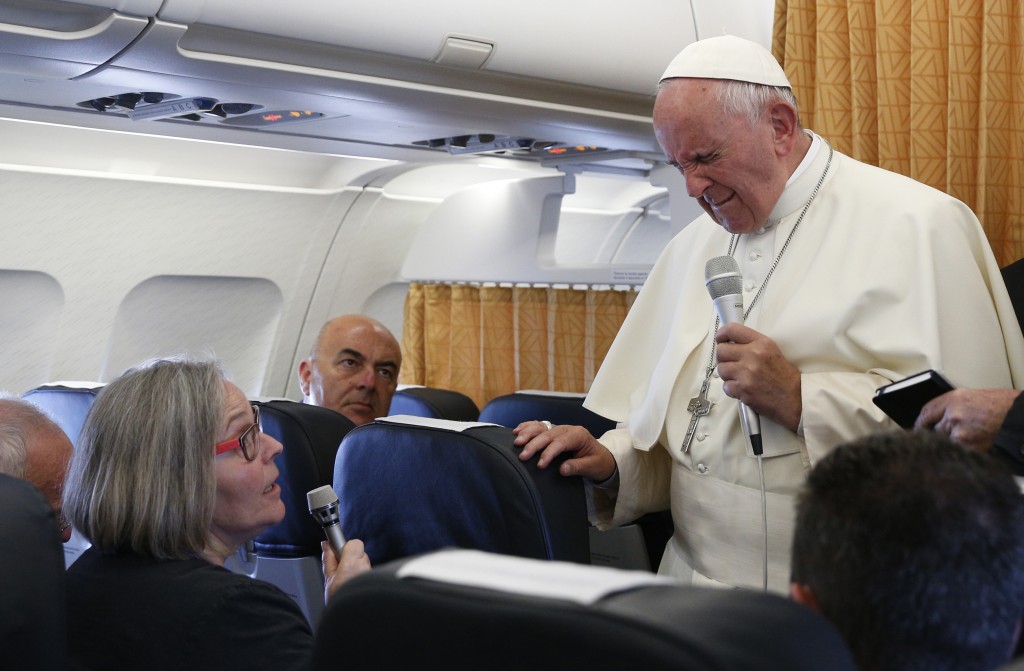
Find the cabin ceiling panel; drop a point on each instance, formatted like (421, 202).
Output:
(576, 41)
(350, 74)
(56, 39)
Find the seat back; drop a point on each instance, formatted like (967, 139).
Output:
(434, 402)
(288, 553)
(514, 613)
(33, 622)
(66, 403)
(630, 546)
(406, 488)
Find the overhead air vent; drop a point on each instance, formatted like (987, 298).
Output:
(152, 105)
(553, 153)
(485, 143)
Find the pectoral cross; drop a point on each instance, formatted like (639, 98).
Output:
(698, 406)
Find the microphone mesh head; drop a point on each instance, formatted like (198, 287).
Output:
(722, 276)
(321, 497)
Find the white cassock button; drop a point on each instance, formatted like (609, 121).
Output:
(749, 286)
(754, 256)
(701, 436)
(702, 469)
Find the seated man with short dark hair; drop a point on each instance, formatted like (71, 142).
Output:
(914, 547)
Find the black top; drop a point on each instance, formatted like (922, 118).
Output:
(128, 611)
(1013, 276)
(1009, 444)
(32, 623)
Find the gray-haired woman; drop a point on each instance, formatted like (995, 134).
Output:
(171, 475)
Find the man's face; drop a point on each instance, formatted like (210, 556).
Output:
(731, 168)
(355, 371)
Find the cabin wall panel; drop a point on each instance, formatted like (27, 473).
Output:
(101, 237)
(161, 316)
(30, 309)
(583, 235)
(367, 255)
(525, 231)
(648, 235)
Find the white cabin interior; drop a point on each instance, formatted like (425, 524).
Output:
(500, 143)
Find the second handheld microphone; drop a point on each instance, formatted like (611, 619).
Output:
(725, 284)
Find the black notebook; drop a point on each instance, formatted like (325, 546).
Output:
(904, 399)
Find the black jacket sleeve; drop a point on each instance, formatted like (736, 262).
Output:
(1009, 444)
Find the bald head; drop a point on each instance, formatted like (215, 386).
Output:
(352, 368)
(34, 448)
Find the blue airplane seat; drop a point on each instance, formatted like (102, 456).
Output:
(631, 546)
(33, 621)
(434, 402)
(556, 407)
(288, 553)
(476, 610)
(66, 403)
(408, 488)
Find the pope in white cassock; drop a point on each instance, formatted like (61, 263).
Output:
(853, 277)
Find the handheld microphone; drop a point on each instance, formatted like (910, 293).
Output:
(725, 284)
(323, 506)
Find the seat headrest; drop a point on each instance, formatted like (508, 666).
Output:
(549, 615)
(558, 408)
(310, 436)
(66, 403)
(433, 402)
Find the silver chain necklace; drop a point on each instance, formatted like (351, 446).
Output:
(699, 405)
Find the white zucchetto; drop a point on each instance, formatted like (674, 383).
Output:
(727, 57)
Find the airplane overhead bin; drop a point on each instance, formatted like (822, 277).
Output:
(46, 38)
(572, 41)
(527, 76)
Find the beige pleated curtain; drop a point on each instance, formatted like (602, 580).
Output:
(485, 341)
(932, 89)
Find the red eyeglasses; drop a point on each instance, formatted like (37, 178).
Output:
(248, 442)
